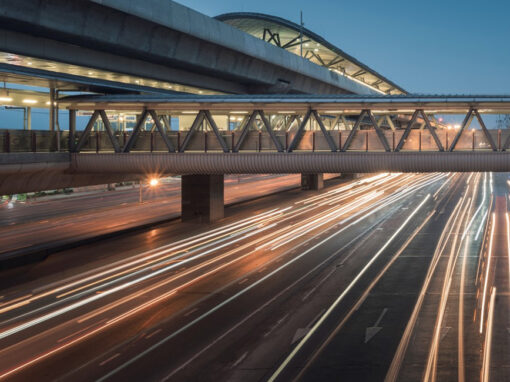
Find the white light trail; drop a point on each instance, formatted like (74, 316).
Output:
(314, 328)
(486, 281)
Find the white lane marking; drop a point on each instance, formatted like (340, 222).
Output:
(276, 325)
(109, 359)
(309, 293)
(239, 360)
(191, 312)
(153, 333)
(371, 331)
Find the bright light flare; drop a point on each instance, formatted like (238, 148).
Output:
(154, 182)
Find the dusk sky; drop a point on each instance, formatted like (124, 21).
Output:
(426, 47)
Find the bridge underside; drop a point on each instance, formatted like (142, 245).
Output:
(34, 172)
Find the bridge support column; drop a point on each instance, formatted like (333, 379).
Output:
(312, 181)
(202, 198)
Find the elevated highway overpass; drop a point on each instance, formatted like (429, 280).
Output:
(261, 141)
(155, 46)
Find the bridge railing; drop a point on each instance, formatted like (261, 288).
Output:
(13, 141)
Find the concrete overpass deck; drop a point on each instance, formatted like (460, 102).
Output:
(158, 46)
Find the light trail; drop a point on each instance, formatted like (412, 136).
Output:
(486, 363)
(114, 289)
(314, 328)
(489, 257)
(364, 295)
(153, 253)
(274, 298)
(396, 363)
(96, 297)
(279, 214)
(430, 371)
(460, 342)
(476, 213)
(217, 307)
(99, 287)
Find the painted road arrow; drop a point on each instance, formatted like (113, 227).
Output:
(371, 331)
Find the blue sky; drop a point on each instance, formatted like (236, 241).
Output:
(424, 46)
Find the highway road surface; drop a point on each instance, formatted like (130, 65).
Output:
(61, 220)
(391, 277)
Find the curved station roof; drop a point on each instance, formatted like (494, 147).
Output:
(291, 37)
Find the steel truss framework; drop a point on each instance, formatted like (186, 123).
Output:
(257, 119)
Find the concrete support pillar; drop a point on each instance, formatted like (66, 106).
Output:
(202, 198)
(52, 109)
(312, 181)
(72, 129)
(29, 118)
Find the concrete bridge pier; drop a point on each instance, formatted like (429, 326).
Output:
(312, 181)
(202, 198)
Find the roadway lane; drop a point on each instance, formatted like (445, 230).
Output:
(39, 225)
(220, 301)
(362, 345)
(403, 277)
(439, 312)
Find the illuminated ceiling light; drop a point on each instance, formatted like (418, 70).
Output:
(29, 101)
(316, 50)
(286, 112)
(238, 112)
(169, 86)
(91, 73)
(137, 81)
(190, 112)
(200, 91)
(5, 99)
(29, 63)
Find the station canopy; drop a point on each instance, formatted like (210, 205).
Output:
(296, 39)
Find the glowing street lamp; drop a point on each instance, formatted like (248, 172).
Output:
(153, 182)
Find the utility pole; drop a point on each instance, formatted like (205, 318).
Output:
(301, 24)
